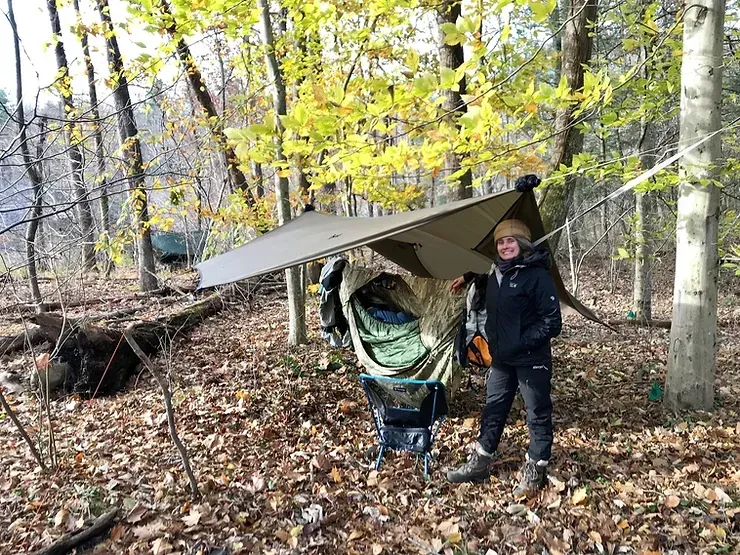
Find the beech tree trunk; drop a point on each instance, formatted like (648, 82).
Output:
(452, 56)
(131, 148)
(693, 346)
(31, 169)
(577, 44)
(73, 137)
(296, 301)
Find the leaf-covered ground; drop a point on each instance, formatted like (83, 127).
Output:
(280, 440)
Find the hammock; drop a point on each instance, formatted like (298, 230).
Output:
(422, 349)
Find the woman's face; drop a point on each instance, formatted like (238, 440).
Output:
(508, 248)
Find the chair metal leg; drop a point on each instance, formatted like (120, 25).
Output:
(426, 466)
(380, 457)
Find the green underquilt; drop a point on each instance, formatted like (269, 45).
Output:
(391, 345)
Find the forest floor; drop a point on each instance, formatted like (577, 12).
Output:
(278, 438)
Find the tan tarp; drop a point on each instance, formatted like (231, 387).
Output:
(442, 242)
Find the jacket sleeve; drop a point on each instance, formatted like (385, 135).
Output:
(470, 276)
(549, 321)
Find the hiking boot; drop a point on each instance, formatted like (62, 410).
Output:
(534, 477)
(475, 468)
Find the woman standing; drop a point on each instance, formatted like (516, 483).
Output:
(523, 314)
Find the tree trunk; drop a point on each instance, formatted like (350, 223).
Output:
(102, 184)
(576, 47)
(452, 56)
(296, 302)
(644, 211)
(693, 346)
(642, 291)
(64, 83)
(31, 170)
(131, 148)
(201, 92)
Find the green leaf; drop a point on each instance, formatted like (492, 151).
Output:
(541, 11)
(412, 60)
(468, 24)
(290, 123)
(425, 84)
(300, 114)
(449, 77)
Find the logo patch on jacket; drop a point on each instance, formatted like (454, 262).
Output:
(512, 284)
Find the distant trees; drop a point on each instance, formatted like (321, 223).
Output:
(227, 126)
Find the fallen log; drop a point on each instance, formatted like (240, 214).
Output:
(664, 324)
(73, 540)
(91, 360)
(65, 305)
(13, 343)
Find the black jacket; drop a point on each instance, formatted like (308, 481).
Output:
(523, 313)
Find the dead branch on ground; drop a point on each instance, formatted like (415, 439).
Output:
(167, 396)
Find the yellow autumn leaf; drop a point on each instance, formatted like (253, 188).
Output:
(335, 475)
(531, 107)
(284, 173)
(579, 496)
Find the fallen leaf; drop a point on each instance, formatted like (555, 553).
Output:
(722, 497)
(516, 509)
(283, 535)
(193, 518)
(61, 517)
(579, 496)
(557, 484)
(377, 549)
(355, 535)
(149, 531)
(136, 514)
(335, 475)
(672, 501)
(160, 546)
(116, 533)
(346, 406)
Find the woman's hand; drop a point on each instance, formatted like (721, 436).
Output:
(458, 284)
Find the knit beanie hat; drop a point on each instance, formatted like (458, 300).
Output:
(512, 228)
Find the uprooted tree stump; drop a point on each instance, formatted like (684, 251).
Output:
(91, 360)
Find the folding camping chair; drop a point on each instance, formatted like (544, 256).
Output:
(399, 423)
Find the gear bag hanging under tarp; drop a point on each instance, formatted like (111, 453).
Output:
(471, 345)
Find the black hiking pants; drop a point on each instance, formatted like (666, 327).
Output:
(534, 384)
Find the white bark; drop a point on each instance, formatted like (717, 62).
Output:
(692, 360)
(294, 282)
